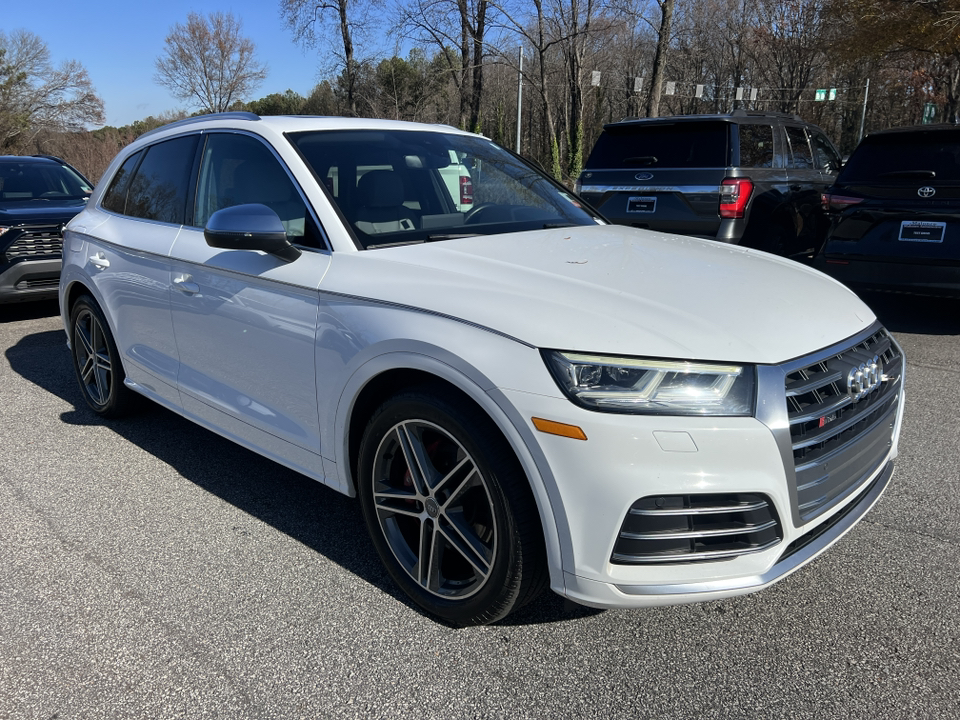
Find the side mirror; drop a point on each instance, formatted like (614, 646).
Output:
(249, 227)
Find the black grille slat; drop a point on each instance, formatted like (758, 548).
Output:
(37, 242)
(696, 528)
(818, 380)
(838, 440)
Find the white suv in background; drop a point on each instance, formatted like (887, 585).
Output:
(519, 393)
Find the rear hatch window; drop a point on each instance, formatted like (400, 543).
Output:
(662, 145)
(898, 158)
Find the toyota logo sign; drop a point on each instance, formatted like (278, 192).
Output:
(926, 191)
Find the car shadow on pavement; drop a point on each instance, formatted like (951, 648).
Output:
(16, 312)
(915, 314)
(316, 516)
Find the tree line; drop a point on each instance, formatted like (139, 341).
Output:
(581, 64)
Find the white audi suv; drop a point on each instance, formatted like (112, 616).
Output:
(520, 394)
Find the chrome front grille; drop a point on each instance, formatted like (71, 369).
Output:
(696, 528)
(842, 409)
(37, 242)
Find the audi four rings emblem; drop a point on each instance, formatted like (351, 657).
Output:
(926, 191)
(866, 378)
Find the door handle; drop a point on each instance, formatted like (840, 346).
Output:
(99, 261)
(185, 284)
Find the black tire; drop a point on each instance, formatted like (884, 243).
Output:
(780, 239)
(465, 506)
(96, 361)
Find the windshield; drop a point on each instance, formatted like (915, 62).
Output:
(22, 181)
(906, 157)
(401, 186)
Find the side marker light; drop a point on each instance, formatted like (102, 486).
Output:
(554, 428)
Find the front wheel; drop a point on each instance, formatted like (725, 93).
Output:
(449, 509)
(96, 361)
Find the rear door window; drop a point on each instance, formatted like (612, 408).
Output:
(667, 145)
(158, 190)
(802, 158)
(756, 146)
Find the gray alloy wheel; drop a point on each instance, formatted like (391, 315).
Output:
(96, 361)
(449, 508)
(92, 356)
(434, 509)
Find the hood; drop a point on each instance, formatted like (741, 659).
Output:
(616, 290)
(39, 212)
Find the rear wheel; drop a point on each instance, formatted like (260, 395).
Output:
(96, 361)
(449, 509)
(778, 238)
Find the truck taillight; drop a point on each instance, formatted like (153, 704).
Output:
(734, 195)
(466, 190)
(830, 201)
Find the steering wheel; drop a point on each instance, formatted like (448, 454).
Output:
(476, 210)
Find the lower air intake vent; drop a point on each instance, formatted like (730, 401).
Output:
(696, 528)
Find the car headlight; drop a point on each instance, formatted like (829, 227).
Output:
(653, 387)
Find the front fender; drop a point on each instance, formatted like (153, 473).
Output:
(436, 361)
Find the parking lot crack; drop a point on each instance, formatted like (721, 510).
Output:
(955, 542)
(927, 366)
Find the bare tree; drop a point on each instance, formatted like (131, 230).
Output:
(209, 63)
(790, 46)
(313, 21)
(660, 57)
(457, 29)
(35, 96)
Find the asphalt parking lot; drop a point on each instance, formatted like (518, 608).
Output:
(150, 569)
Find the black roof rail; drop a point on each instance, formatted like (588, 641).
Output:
(232, 115)
(740, 112)
(48, 157)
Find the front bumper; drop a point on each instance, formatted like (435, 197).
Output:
(30, 280)
(593, 485)
(794, 556)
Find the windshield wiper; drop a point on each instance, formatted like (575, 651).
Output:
(554, 226)
(640, 160)
(910, 173)
(448, 236)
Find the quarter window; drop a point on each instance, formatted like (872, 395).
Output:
(115, 199)
(158, 190)
(800, 148)
(827, 158)
(238, 169)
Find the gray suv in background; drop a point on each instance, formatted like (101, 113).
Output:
(746, 178)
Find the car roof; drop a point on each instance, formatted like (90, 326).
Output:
(33, 159)
(294, 123)
(911, 129)
(731, 117)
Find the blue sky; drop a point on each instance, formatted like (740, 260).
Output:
(118, 43)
